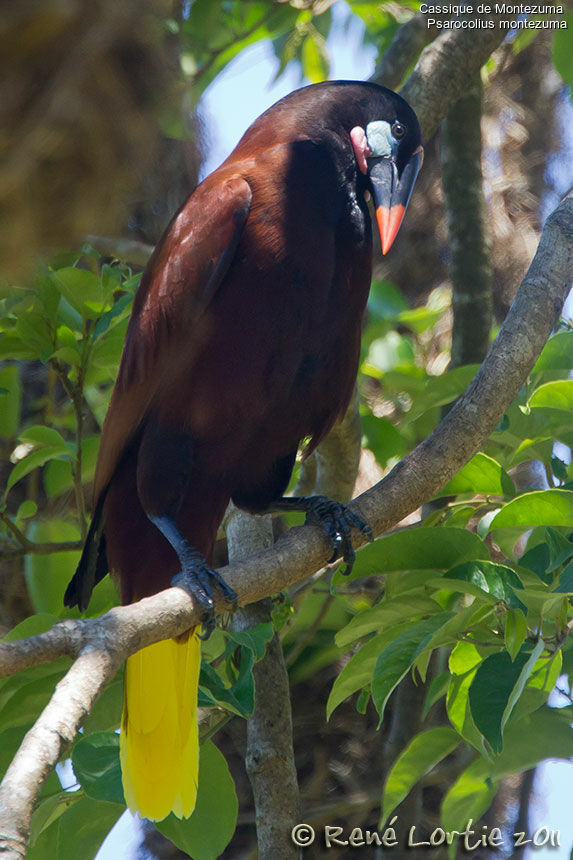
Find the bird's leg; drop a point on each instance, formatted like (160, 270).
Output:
(164, 473)
(195, 576)
(335, 519)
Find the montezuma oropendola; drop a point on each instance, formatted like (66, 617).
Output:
(244, 339)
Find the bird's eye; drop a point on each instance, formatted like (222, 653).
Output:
(398, 130)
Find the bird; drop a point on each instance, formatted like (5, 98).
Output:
(243, 342)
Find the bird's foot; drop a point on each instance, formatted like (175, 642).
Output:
(202, 583)
(336, 520)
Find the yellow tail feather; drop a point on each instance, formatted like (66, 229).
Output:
(159, 745)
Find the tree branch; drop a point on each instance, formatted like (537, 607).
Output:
(466, 215)
(269, 758)
(409, 40)
(20, 545)
(446, 69)
(338, 456)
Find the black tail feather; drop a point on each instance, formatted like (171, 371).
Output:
(93, 564)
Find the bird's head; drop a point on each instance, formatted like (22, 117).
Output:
(389, 153)
(372, 133)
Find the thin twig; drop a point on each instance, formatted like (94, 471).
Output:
(24, 546)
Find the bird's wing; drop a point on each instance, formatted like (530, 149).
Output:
(180, 280)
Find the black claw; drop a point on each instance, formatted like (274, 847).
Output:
(336, 521)
(201, 582)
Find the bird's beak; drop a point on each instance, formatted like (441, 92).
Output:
(392, 193)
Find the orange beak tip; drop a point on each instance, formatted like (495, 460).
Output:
(389, 221)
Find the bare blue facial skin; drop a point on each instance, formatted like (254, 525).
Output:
(381, 141)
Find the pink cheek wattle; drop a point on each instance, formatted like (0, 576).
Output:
(360, 146)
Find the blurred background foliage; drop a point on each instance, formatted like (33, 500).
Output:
(100, 142)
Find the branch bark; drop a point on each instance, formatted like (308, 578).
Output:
(446, 69)
(470, 266)
(100, 645)
(270, 755)
(409, 40)
(338, 456)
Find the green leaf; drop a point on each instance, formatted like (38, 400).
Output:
(238, 698)
(114, 314)
(33, 328)
(47, 576)
(78, 832)
(17, 348)
(39, 434)
(107, 351)
(48, 811)
(46, 843)
(24, 696)
(417, 549)
(494, 691)
(82, 289)
(549, 728)
(26, 510)
(440, 390)
(515, 631)
(58, 473)
(437, 688)
(540, 684)
(205, 835)
(560, 548)
(395, 660)
(557, 353)
(314, 58)
(385, 353)
(385, 300)
(34, 460)
(464, 661)
(536, 508)
(105, 715)
(255, 638)
(553, 395)
(10, 401)
(469, 797)
(563, 52)
(462, 622)
(496, 579)
(482, 475)
(386, 614)
(522, 680)
(537, 559)
(67, 346)
(459, 516)
(31, 626)
(70, 317)
(419, 319)
(383, 439)
(565, 583)
(421, 755)
(357, 673)
(95, 760)
(10, 740)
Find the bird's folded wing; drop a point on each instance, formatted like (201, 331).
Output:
(184, 272)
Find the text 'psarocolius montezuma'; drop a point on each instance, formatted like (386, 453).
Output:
(244, 340)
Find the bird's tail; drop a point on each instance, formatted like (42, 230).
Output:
(159, 744)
